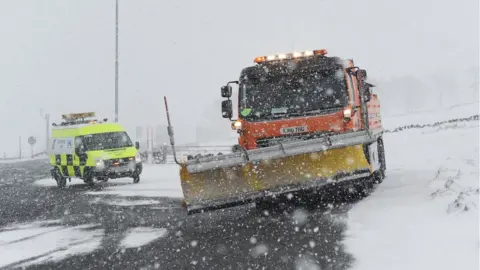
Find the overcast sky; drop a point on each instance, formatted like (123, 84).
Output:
(59, 54)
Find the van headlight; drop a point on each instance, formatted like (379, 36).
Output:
(138, 158)
(100, 164)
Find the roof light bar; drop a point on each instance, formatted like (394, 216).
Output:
(75, 116)
(294, 55)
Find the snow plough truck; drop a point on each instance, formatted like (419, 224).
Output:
(305, 121)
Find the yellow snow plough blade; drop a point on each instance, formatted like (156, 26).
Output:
(251, 180)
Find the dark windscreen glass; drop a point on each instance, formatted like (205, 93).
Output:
(110, 140)
(293, 94)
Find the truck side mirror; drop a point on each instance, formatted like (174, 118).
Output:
(362, 74)
(227, 109)
(226, 91)
(367, 94)
(137, 145)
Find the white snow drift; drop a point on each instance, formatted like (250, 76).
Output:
(425, 214)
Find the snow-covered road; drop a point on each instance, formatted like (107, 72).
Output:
(121, 225)
(416, 219)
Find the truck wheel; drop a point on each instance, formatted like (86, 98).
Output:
(380, 175)
(236, 148)
(364, 187)
(136, 179)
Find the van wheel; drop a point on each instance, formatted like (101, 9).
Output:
(136, 179)
(89, 181)
(61, 181)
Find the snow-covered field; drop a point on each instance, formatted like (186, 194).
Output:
(431, 116)
(425, 214)
(6, 161)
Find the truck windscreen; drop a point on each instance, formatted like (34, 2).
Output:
(109, 140)
(292, 95)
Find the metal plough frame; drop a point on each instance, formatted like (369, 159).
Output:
(286, 149)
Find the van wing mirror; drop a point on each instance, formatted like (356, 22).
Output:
(137, 145)
(227, 109)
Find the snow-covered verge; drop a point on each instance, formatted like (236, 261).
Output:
(425, 214)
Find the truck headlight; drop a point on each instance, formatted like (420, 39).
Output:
(237, 125)
(100, 164)
(138, 158)
(347, 113)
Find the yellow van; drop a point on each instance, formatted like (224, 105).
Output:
(85, 148)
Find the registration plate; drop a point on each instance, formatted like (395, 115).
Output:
(293, 130)
(120, 169)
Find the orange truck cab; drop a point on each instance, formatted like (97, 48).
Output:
(300, 96)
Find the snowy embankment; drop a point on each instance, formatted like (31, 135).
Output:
(425, 214)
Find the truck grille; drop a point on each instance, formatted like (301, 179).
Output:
(271, 141)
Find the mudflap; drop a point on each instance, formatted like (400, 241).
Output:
(241, 184)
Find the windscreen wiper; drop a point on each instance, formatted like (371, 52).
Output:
(314, 111)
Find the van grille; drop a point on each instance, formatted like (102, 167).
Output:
(121, 161)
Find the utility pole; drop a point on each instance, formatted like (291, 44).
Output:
(47, 129)
(116, 60)
(20, 147)
(47, 132)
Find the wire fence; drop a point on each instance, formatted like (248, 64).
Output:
(164, 155)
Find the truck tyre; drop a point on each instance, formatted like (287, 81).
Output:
(380, 175)
(365, 187)
(236, 148)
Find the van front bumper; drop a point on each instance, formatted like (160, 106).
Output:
(131, 169)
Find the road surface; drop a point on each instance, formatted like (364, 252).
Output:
(237, 238)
